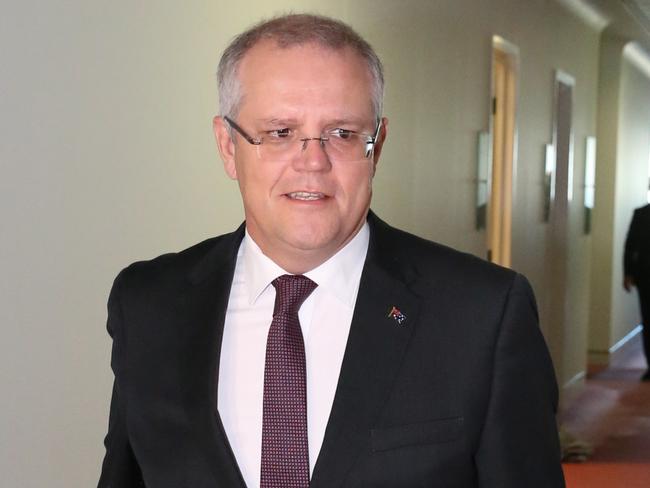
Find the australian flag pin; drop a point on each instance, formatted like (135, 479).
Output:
(398, 316)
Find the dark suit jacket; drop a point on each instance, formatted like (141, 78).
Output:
(636, 260)
(461, 394)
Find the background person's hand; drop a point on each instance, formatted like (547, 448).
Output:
(628, 282)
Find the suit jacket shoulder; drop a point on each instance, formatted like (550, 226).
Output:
(422, 263)
(176, 269)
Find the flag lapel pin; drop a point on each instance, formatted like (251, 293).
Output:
(398, 316)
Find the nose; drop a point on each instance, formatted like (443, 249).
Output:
(312, 155)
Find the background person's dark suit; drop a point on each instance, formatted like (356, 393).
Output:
(636, 263)
(461, 394)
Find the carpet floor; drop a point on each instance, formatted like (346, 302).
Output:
(612, 413)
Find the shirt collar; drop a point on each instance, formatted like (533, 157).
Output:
(339, 275)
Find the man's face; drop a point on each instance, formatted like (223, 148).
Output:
(302, 211)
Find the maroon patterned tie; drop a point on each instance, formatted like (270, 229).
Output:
(285, 453)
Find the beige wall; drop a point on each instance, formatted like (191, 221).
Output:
(107, 157)
(611, 59)
(621, 181)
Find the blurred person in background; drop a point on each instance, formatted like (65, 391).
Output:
(636, 271)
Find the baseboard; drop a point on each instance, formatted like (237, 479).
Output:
(605, 357)
(577, 380)
(571, 389)
(599, 358)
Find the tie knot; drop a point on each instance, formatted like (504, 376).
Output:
(290, 292)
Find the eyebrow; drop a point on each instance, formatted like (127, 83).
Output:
(278, 121)
(348, 120)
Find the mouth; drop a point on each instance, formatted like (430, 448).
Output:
(306, 196)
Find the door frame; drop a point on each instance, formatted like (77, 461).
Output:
(500, 206)
(558, 251)
(567, 79)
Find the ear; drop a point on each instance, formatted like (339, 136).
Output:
(381, 138)
(226, 146)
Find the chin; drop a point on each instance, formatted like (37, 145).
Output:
(314, 240)
(312, 244)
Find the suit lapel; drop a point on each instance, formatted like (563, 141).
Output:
(373, 355)
(208, 297)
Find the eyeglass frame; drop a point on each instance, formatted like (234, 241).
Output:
(304, 140)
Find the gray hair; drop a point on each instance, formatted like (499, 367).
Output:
(294, 30)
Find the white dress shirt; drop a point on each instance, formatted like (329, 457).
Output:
(325, 319)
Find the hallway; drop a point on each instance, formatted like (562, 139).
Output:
(612, 413)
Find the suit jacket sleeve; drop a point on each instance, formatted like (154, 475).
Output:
(519, 444)
(120, 468)
(630, 256)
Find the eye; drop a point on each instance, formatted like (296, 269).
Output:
(344, 134)
(284, 133)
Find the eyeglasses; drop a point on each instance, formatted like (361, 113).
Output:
(286, 144)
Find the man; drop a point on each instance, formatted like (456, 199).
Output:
(408, 364)
(636, 271)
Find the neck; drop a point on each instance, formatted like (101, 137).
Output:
(296, 260)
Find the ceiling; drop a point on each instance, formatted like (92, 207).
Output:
(640, 9)
(628, 19)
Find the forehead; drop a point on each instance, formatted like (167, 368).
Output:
(302, 75)
(267, 58)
